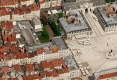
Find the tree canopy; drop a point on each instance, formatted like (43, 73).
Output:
(55, 29)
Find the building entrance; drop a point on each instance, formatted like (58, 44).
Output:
(86, 10)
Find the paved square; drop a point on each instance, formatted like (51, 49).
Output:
(94, 54)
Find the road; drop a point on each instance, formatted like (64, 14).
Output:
(92, 24)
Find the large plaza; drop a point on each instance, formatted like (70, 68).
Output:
(95, 53)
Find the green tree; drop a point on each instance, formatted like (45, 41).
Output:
(108, 1)
(44, 32)
(53, 18)
(60, 15)
(55, 29)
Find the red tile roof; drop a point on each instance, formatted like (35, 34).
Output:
(76, 79)
(65, 70)
(28, 77)
(42, 74)
(4, 12)
(15, 79)
(58, 62)
(5, 38)
(109, 13)
(40, 51)
(6, 57)
(5, 69)
(45, 64)
(3, 49)
(12, 39)
(55, 74)
(60, 71)
(108, 8)
(18, 11)
(109, 75)
(10, 2)
(34, 7)
(51, 65)
(35, 76)
(1, 56)
(49, 74)
(54, 49)
(29, 67)
(17, 67)
(7, 25)
(3, 79)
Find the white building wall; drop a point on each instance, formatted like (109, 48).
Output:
(9, 63)
(5, 18)
(27, 3)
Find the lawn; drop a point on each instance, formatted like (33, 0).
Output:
(43, 36)
(43, 39)
(60, 15)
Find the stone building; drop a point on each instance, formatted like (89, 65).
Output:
(74, 25)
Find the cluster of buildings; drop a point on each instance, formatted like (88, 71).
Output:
(21, 60)
(50, 3)
(107, 17)
(45, 70)
(19, 13)
(15, 3)
(24, 57)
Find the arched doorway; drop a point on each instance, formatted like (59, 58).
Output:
(90, 10)
(86, 10)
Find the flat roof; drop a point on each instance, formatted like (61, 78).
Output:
(76, 4)
(36, 21)
(59, 42)
(108, 20)
(38, 46)
(26, 23)
(71, 27)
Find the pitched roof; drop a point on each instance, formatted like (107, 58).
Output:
(54, 49)
(3, 79)
(35, 76)
(58, 62)
(109, 75)
(29, 67)
(4, 12)
(40, 51)
(109, 13)
(45, 64)
(17, 67)
(15, 79)
(76, 79)
(12, 39)
(7, 25)
(1, 56)
(108, 8)
(5, 69)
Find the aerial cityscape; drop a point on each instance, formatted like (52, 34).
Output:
(58, 39)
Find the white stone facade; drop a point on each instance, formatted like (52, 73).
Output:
(38, 58)
(26, 2)
(78, 34)
(51, 3)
